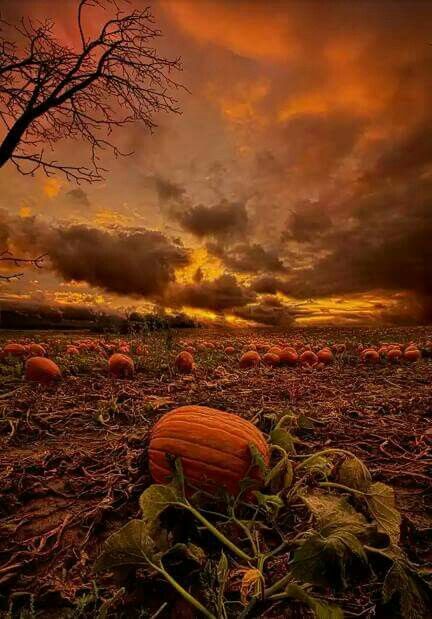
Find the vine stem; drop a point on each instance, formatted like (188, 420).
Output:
(333, 484)
(325, 451)
(220, 536)
(185, 594)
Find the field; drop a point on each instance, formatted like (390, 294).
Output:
(74, 462)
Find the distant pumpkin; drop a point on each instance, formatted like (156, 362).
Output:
(184, 362)
(41, 370)
(14, 350)
(394, 354)
(271, 359)
(325, 356)
(229, 350)
(412, 354)
(121, 366)
(308, 358)
(288, 356)
(37, 350)
(369, 355)
(72, 350)
(249, 359)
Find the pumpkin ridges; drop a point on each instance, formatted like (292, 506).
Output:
(157, 453)
(179, 447)
(244, 426)
(177, 430)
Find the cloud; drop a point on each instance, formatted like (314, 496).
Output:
(225, 220)
(125, 261)
(223, 293)
(78, 197)
(268, 312)
(248, 258)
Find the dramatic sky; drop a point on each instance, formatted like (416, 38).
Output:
(295, 186)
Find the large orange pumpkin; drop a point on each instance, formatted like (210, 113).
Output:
(42, 370)
(121, 366)
(213, 447)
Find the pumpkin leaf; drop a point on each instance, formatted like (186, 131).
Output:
(333, 512)
(354, 474)
(406, 586)
(320, 609)
(271, 503)
(323, 560)
(133, 544)
(156, 498)
(283, 438)
(181, 552)
(256, 459)
(381, 502)
(281, 476)
(318, 464)
(305, 423)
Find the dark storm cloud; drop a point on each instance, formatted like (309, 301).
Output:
(266, 313)
(133, 262)
(248, 258)
(267, 284)
(225, 220)
(217, 295)
(307, 223)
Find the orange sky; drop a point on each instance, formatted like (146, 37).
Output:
(294, 187)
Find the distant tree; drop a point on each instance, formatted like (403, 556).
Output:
(50, 91)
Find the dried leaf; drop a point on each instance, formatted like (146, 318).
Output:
(354, 474)
(413, 594)
(381, 502)
(333, 512)
(283, 439)
(320, 609)
(251, 585)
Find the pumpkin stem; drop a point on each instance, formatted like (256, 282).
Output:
(332, 484)
(323, 452)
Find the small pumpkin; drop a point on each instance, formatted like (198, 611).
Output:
(14, 350)
(121, 366)
(37, 350)
(72, 350)
(289, 356)
(184, 362)
(213, 447)
(271, 359)
(249, 359)
(229, 350)
(325, 356)
(394, 354)
(412, 354)
(308, 358)
(42, 370)
(369, 355)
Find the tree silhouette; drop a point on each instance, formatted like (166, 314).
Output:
(50, 91)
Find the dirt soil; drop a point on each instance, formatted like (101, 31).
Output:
(73, 456)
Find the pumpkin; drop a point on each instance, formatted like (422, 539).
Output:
(213, 447)
(271, 359)
(275, 350)
(184, 362)
(121, 366)
(15, 350)
(288, 356)
(308, 358)
(37, 350)
(41, 370)
(369, 355)
(325, 355)
(412, 354)
(229, 350)
(249, 359)
(394, 354)
(72, 350)
(190, 349)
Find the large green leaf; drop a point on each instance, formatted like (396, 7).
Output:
(412, 593)
(320, 609)
(318, 464)
(381, 502)
(323, 560)
(134, 544)
(354, 474)
(156, 498)
(333, 512)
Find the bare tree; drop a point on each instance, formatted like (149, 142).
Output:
(50, 91)
(6, 256)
